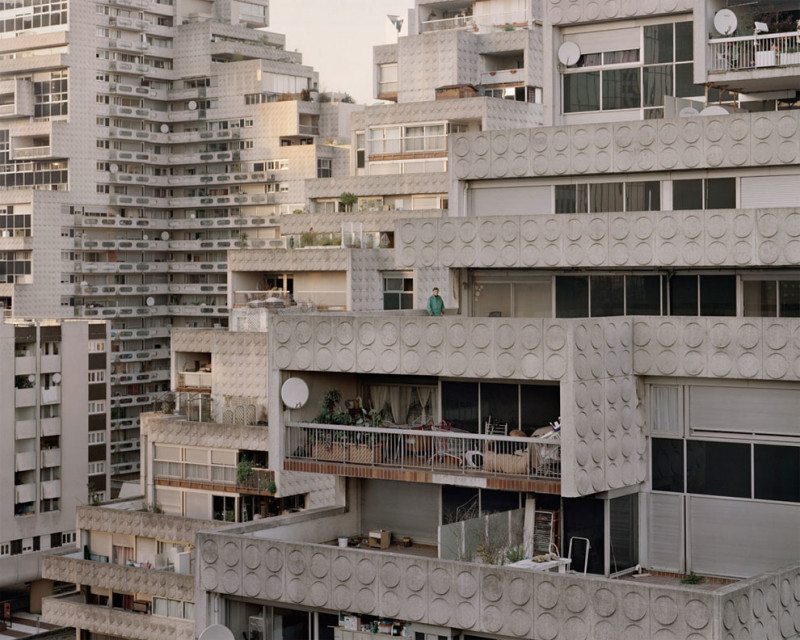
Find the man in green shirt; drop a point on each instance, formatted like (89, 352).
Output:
(435, 304)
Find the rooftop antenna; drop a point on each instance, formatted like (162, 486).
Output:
(397, 22)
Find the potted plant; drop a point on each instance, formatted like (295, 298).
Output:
(244, 471)
(327, 446)
(347, 200)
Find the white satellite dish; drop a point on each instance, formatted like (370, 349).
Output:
(31, 378)
(84, 283)
(761, 27)
(714, 110)
(150, 301)
(56, 378)
(569, 53)
(688, 112)
(192, 105)
(113, 168)
(216, 632)
(145, 236)
(725, 22)
(294, 393)
(164, 235)
(164, 128)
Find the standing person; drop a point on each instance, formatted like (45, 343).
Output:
(435, 304)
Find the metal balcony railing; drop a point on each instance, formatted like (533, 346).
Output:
(256, 480)
(753, 52)
(422, 449)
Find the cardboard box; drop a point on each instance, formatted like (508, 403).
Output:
(380, 539)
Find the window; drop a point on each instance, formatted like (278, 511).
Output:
(608, 196)
(52, 504)
(324, 168)
(96, 468)
(387, 79)
(528, 297)
(68, 537)
(98, 375)
(97, 406)
(572, 296)
(711, 193)
(634, 78)
(771, 298)
(777, 473)
(361, 150)
(398, 291)
(718, 468)
(97, 347)
(712, 295)
(277, 165)
(97, 437)
(468, 405)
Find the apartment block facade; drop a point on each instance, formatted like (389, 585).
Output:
(55, 420)
(611, 390)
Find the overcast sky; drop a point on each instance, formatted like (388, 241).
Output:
(336, 37)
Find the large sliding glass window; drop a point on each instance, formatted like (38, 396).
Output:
(470, 405)
(634, 78)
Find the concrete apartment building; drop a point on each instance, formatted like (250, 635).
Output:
(616, 367)
(54, 415)
(143, 141)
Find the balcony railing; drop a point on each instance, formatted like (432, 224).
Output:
(275, 298)
(408, 144)
(488, 22)
(503, 76)
(308, 129)
(768, 50)
(31, 152)
(445, 24)
(420, 449)
(194, 380)
(223, 475)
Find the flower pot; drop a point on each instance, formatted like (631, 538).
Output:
(333, 451)
(342, 541)
(365, 453)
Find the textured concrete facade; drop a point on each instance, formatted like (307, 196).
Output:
(736, 141)
(689, 239)
(482, 599)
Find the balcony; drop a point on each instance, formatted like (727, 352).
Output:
(51, 426)
(25, 461)
(51, 458)
(71, 610)
(51, 395)
(212, 477)
(482, 23)
(448, 24)
(483, 599)
(194, 380)
(50, 489)
(160, 583)
(30, 153)
(504, 76)
(768, 61)
(25, 429)
(24, 365)
(25, 397)
(523, 464)
(25, 492)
